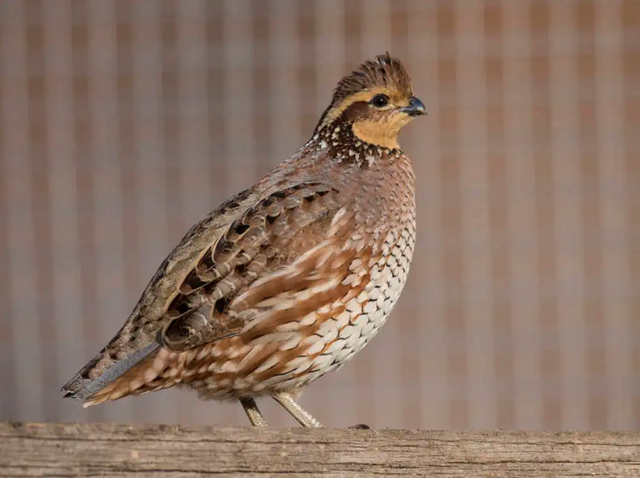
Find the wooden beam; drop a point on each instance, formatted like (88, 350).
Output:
(109, 450)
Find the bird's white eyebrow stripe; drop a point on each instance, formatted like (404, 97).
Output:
(364, 95)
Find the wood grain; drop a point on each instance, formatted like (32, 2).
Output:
(110, 450)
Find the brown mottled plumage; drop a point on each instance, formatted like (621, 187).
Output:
(287, 280)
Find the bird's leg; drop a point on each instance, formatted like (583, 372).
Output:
(288, 402)
(253, 412)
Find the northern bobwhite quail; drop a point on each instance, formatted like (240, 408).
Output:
(287, 280)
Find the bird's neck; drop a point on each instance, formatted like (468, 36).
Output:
(339, 141)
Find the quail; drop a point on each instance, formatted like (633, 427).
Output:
(287, 280)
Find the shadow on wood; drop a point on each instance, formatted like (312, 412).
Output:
(109, 450)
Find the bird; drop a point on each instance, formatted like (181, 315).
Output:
(288, 279)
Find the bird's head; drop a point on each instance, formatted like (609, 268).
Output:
(376, 101)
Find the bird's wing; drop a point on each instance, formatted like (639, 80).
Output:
(205, 288)
(136, 340)
(286, 256)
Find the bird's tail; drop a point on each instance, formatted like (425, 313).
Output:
(138, 373)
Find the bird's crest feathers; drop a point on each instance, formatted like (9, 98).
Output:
(384, 75)
(385, 72)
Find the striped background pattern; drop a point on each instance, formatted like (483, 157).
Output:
(124, 122)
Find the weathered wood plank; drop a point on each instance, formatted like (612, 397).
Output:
(109, 450)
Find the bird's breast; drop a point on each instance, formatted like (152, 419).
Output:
(345, 335)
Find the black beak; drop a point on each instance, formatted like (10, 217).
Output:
(415, 108)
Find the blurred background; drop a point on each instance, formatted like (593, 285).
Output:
(122, 123)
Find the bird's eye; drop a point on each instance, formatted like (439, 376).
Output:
(380, 101)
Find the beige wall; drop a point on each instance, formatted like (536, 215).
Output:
(122, 123)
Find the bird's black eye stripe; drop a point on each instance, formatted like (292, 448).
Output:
(380, 101)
